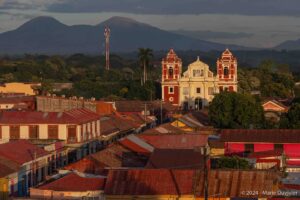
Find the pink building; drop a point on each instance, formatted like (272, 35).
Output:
(243, 142)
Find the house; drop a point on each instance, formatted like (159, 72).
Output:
(71, 186)
(274, 109)
(186, 184)
(243, 142)
(19, 88)
(24, 165)
(78, 128)
(196, 87)
(17, 103)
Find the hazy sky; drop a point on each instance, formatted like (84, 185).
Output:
(257, 23)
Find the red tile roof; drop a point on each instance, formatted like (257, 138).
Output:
(261, 135)
(75, 183)
(175, 141)
(226, 183)
(167, 128)
(112, 123)
(21, 151)
(130, 106)
(176, 159)
(115, 156)
(7, 167)
(136, 144)
(76, 116)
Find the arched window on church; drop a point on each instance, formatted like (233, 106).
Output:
(226, 71)
(171, 72)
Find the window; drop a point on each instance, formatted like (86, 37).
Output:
(196, 73)
(185, 91)
(202, 72)
(171, 90)
(14, 132)
(226, 71)
(198, 90)
(72, 133)
(211, 91)
(33, 132)
(249, 147)
(171, 72)
(52, 132)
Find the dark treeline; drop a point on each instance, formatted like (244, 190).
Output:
(272, 73)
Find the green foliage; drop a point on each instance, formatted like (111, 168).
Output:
(235, 110)
(271, 79)
(232, 163)
(292, 118)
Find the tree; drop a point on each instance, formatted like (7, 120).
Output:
(292, 118)
(232, 163)
(145, 54)
(235, 110)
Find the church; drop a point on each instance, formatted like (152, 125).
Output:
(196, 87)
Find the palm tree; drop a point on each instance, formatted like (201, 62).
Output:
(145, 54)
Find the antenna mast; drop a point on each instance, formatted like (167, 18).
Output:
(107, 36)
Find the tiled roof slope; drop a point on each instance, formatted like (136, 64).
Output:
(75, 116)
(21, 151)
(227, 183)
(175, 141)
(74, 183)
(7, 167)
(261, 135)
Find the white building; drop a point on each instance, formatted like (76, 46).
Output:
(196, 87)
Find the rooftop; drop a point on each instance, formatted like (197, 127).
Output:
(279, 136)
(72, 182)
(176, 159)
(175, 141)
(75, 116)
(226, 183)
(21, 151)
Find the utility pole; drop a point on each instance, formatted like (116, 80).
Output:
(161, 112)
(145, 113)
(205, 159)
(107, 37)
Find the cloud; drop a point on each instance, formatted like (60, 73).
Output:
(26, 4)
(243, 7)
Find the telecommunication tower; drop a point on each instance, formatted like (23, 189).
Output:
(107, 36)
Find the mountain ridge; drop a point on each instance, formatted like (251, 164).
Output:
(47, 35)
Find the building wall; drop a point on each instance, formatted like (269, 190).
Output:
(22, 88)
(61, 104)
(187, 84)
(89, 129)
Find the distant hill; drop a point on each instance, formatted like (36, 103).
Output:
(289, 45)
(46, 35)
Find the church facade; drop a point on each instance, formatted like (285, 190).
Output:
(196, 87)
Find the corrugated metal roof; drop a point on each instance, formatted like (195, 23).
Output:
(226, 183)
(261, 135)
(74, 183)
(75, 116)
(175, 141)
(176, 159)
(21, 151)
